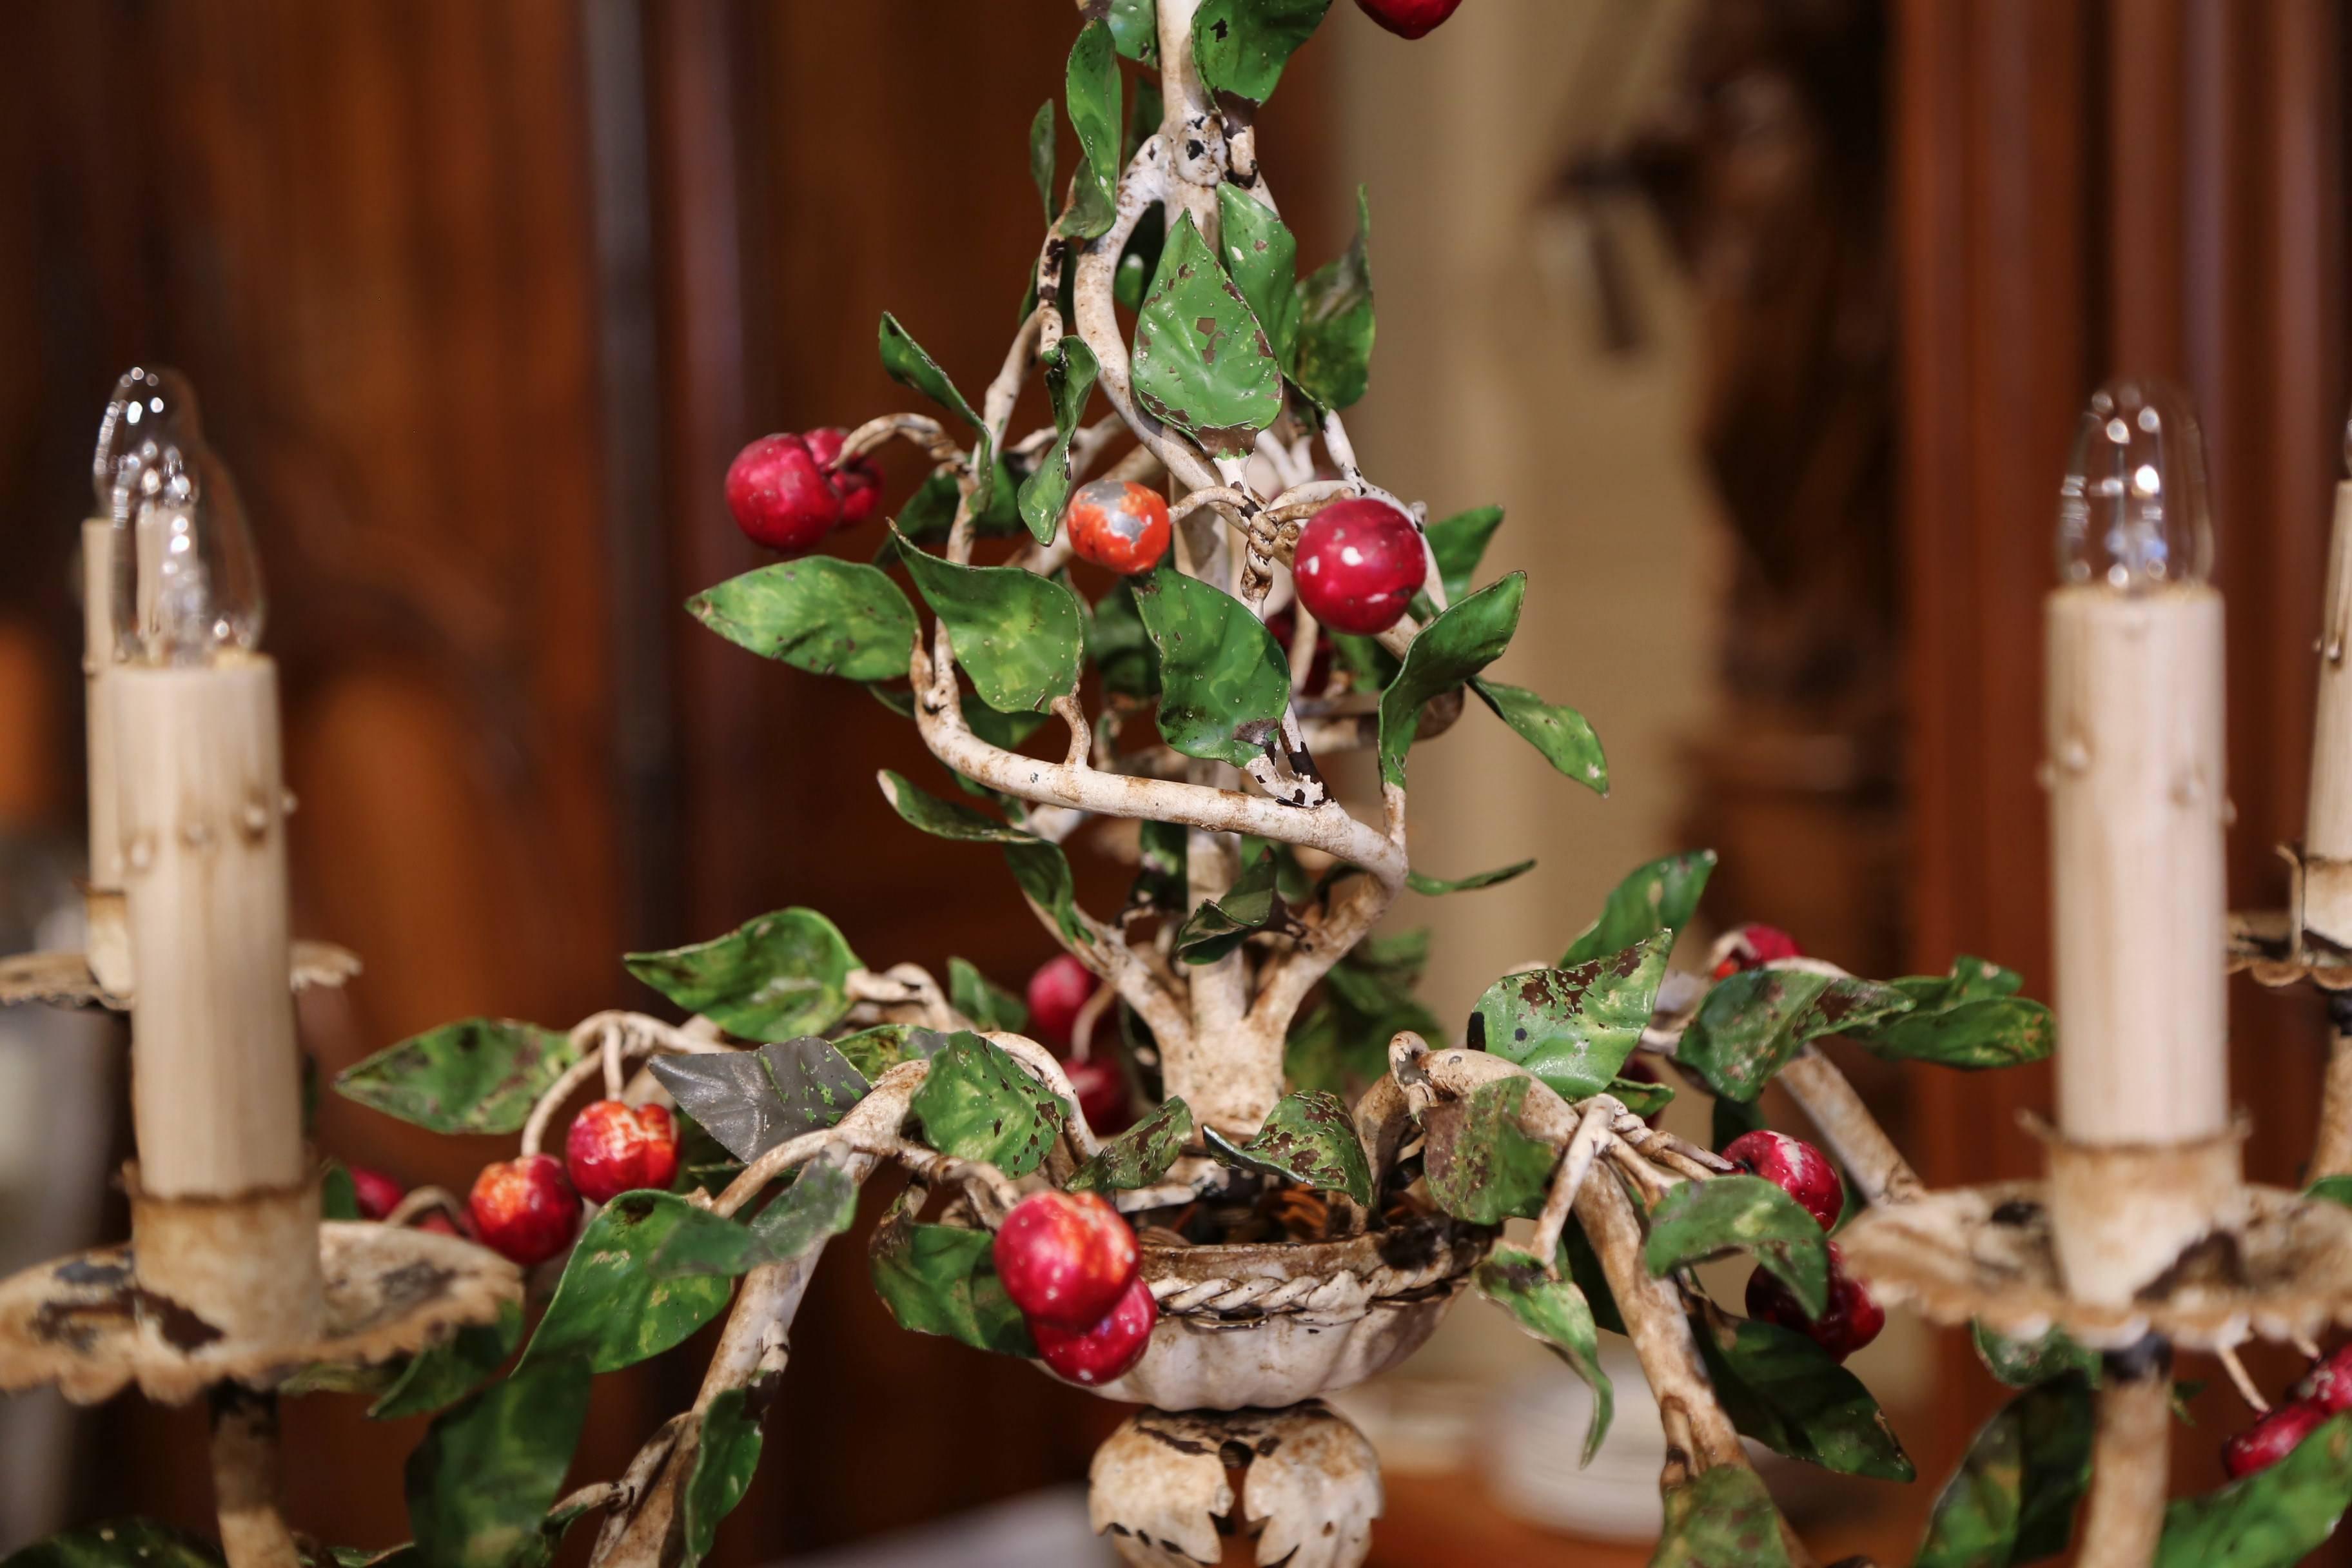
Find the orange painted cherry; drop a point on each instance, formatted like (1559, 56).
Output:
(1358, 566)
(524, 1210)
(1056, 991)
(858, 482)
(1794, 1166)
(376, 1194)
(781, 495)
(1064, 1257)
(1107, 1350)
(1850, 1321)
(1118, 523)
(613, 1148)
(1102, 1094)
(1753, 946)
(1409, 18)
(2272, 1438)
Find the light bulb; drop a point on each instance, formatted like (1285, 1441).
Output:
(2132, 513)
(187, 579)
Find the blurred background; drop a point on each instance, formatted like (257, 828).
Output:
(1768, 321)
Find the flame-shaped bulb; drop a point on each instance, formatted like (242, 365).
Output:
(2132, 513)
(187, 578)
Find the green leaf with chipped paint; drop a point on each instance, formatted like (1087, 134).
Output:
(1459, 542)
(1574, 1027)
(1043, 872)
(1242, 45)
(2012, 1499)
(1702, 1220)
(1163, 854)
(1070, 371)
(2021, 1364)
(947, 818)
(2271, 1518)
(1723, 1519)
(1017, 634)
(1561, 735)
(610, 1309)
(876, 1051)
(940, 1280)
(1331, 353)
(1119, 646)
(1262, 258)
(1752, 1024)
(772, 978)
(1660, 896)
(1436, 887)
(816, 1204)
(1446, 652)
(1041, 155)
(481, 1485)
(442, 1374)
(750, 1101)
(726, 1453)
(1134, 29)
(1640, 1096)
(1139, 1156)
(1251, 903)
(1307, 1137)
(1971, 1018)
(1224, 681)
(1556, 1313)
(989, 1005)
(1201, 363)
(119, 1543)
(819, 614)
(1784, 1391)
(480, 1075)
(977, 1103)
(1091, 88)
(909, 366)
(1482, 1164)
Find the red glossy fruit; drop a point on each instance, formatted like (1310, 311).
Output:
(2272, 1438)
(376, 1194)
(1794, 1166)
(1102, 1094)
(439, 1223)
(613, 1148)
(1408, 18)
(1098, 1354)
(1064, 1257)
(1056, 991)
(781, 495)
(1118, 523)
(2328, 1383)
(858, 482)
(1358, 566)
(523, 1209)
(1753, 946)
(1852, 1321)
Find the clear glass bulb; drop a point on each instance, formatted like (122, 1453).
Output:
(187, 578)
(2132, 513)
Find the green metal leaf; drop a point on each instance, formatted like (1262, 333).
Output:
(1140, 261)
(1224, 681)
(1017, 634)
(1202, 362)
(2012, 1499)
(876, 1051)
(1723, 1519)
(1121, 648)
(1701, 1220)
(930, 511)
(977, 1103)
(1251, 904)
(945, 819)
(1459, 544)
(817, 1202)
(821, 613)
(1971, 1018)
(1139, 1156)
(1163, 854)
(752, 1100)
(1574, 1027)
(2021, 1364)
(442, 1374)
(771, 978)
(1242, 45)
(1433, 887)
(1753, 1022)
(725, 1456)
(1448, 651)
(1262, 258)
(1343, 1044)
(987, 1005)
(1556, 1313)
(338, 1196)
(909, 366)
(480, 1484)
(2271, 1518)
(610, 1309)
(118, 1543)
(1482, 1165)
(1331, 356)
(940, 1280)
(1134, 29)
(1091, 85)
(1043, 873)
(480, 1075)
(1728, 1119)
(1784, 1391)
(1563, 735)
(1640, 1096)
(1307, 1137)
(1660, 896)
(1070, 372)
(1041, 156)
(2334, 1189)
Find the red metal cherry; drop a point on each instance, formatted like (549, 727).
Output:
(524, 1210)
(1056, 991)
(1794, 1166)
(613, 1148)
(2328, 1383)
(1850, 1321)
(781, 495)
(1409, 18)
(2272, 1438)
(1098, 1354)
(858, 482)
(1103, 1097)
(1120, 524)
(1358, 566)
(1065, 1259)
(376, 1194)
(1753, 946)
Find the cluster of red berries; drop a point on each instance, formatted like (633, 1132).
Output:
(1851, 1318)
(1058, 991)
(528, 1209)
(788, 491)
(1068, 1261)
(2324, 1390)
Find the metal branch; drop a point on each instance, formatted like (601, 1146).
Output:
(246, 1479)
